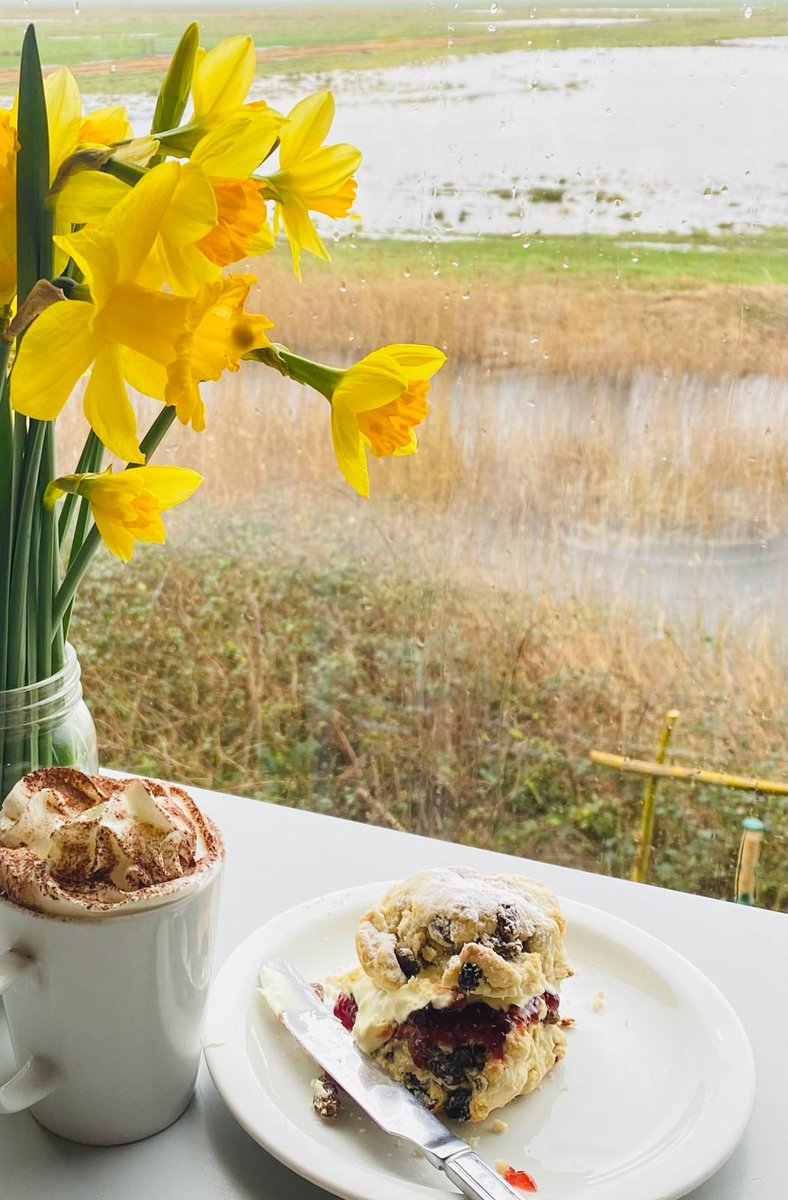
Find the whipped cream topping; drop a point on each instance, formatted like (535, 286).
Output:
(379, 1011)
(80, 845)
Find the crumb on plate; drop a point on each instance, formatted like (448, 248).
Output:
(325, 1098)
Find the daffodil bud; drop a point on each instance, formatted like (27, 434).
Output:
(174, 92)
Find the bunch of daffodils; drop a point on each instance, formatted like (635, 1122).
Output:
(119, 268)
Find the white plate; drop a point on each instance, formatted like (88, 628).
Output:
(654, 1093)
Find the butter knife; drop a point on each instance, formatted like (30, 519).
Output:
(388, 1103)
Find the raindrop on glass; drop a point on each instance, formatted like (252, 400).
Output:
(492, 28)
(406, 274)
(747, 13)
(76, 8)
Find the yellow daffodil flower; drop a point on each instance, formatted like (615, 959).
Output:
(222, 78)
(87, 195)
(129, 332)
(67, 126)
(375, 404)
(217, 333)
(220, 84)
(8, 149)
(188, 214)
(229, 154)
(83, 197)
(311, 177)
(127, 507)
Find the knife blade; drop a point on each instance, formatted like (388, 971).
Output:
(388, 1103)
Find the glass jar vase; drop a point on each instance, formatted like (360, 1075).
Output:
(46, 724)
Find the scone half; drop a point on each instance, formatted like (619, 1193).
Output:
(459, 1056)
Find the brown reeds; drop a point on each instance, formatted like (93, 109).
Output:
(549, 328)
(660, 457)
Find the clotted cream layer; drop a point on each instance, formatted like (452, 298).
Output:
(78, 845)
(379, 1012)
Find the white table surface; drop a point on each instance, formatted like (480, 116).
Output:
(278, 857)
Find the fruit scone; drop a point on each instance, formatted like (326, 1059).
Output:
(457, 996)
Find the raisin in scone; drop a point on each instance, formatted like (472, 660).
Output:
(488, 935)
(457, 993)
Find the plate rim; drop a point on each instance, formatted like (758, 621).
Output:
(358, 1182)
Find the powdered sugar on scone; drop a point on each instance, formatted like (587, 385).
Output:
(485, 935)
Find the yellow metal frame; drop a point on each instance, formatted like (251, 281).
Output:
(753, 829)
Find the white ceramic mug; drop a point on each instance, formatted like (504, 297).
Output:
(105, 1013)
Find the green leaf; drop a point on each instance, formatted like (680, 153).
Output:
(177, 84)
(6, 435)
(34, 216)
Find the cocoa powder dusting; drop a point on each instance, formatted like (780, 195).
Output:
(109, 843)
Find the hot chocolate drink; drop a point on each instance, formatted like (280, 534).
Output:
(76, 845)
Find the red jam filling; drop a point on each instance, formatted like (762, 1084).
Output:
(519, 1179)
(346, 1010)
(463, 1023)
(466, 1023)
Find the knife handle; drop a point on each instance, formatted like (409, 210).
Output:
(474, 1178)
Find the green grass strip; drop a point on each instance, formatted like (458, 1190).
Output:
(638, 260)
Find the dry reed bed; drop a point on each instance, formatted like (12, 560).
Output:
(662, 462)
(557, 328)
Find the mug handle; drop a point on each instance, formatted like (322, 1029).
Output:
(37, 1077)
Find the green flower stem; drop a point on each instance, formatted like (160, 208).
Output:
(83, 523)
(48, 562)
(89, 460)
(323, 379)
(20, 441)
(6, 503)
(61, 609)
(29, 492)
(32, 665)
